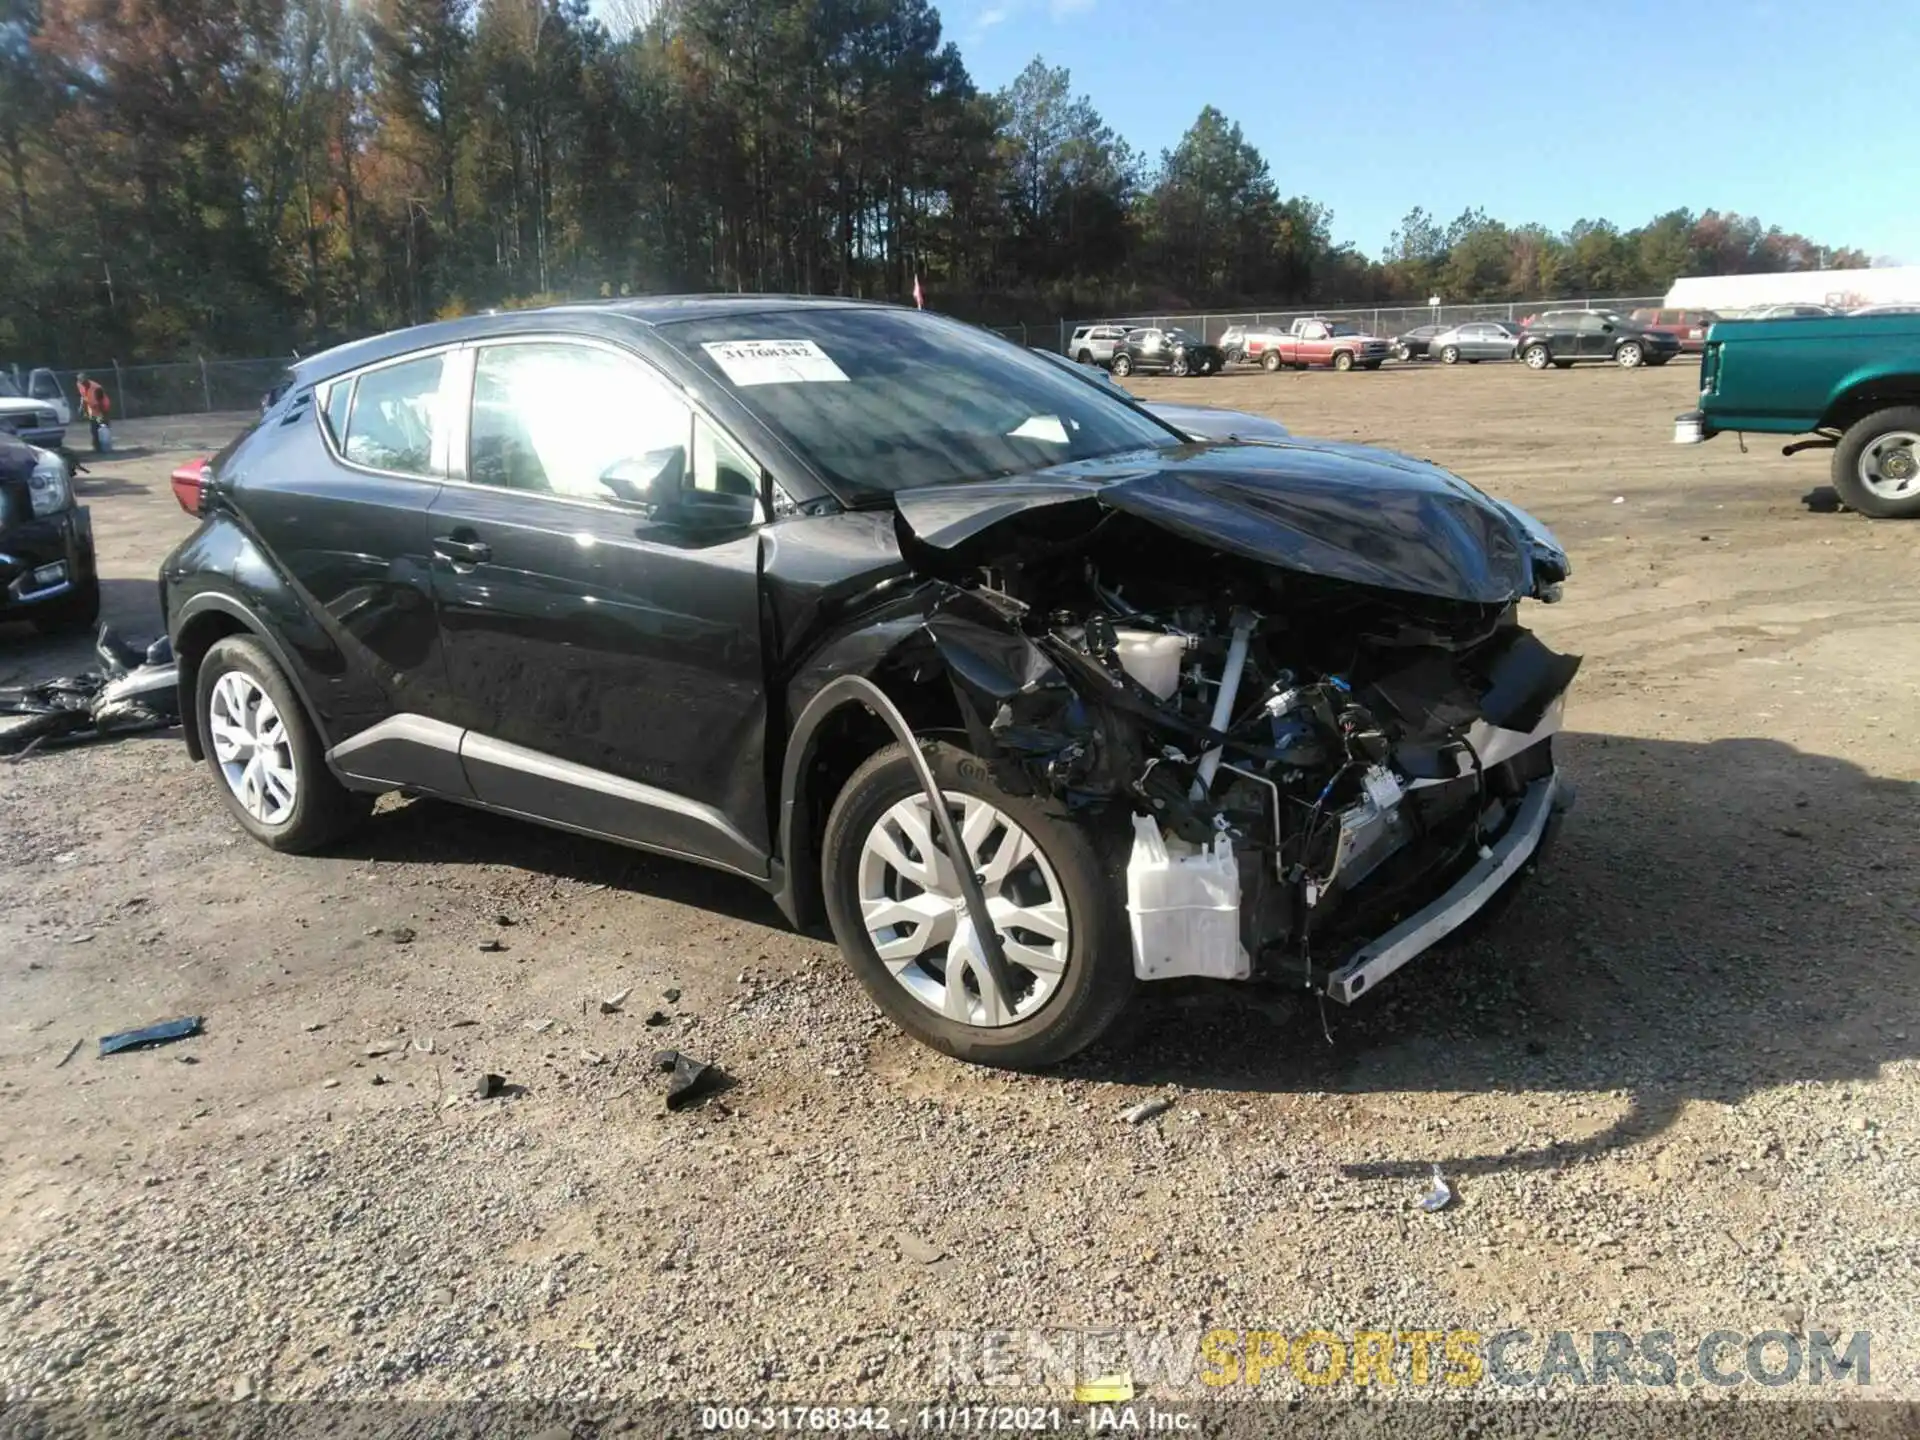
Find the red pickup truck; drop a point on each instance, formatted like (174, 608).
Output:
(1308, 342)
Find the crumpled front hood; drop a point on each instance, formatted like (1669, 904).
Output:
(1342, 512)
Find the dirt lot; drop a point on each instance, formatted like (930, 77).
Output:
(1675, 1088)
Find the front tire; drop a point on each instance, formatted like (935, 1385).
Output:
(1122, 366)
(1178, 367)
(1536, 357)
(1343, 360)
(1876, 465)
(1629, 355)
(1450, 355)
(265, 754)
(1053, 884)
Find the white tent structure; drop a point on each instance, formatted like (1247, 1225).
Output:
(1843, 289)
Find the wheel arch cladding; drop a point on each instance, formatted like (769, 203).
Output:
(199, 633)
(209, 618)
(827, 744)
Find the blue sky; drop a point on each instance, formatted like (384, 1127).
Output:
(1546, 111)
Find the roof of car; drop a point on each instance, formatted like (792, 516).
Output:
(649, 310)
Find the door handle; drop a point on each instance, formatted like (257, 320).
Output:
(462, 552)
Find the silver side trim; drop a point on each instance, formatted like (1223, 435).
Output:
(412, 729)
(1419, 932)
(508, 756)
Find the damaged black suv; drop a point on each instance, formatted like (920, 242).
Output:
(1032, 696)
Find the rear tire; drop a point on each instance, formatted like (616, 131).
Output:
(321, 809)
(1085, 357)
(1270, 362)
(1869, 464)
(1097, 979)
(1122, 365)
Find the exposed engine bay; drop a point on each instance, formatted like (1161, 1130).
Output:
(1305, 762)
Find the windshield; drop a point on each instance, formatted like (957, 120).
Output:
(886, 400)
(1340, 327)
(1183, 337)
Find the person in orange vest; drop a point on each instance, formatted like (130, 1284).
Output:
(94, 405)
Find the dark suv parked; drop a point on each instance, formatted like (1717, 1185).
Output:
(1176, 352)
(1561, 337)
(1031, 695)
(47, 572)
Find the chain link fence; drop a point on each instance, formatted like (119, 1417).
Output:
(193, 387)
(1384, 320)
(142, 392)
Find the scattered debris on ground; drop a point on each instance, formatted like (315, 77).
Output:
(1439, 1197)
(135, 689)
(489, 1086)
(612, 1003)
(147, 1036)
(692, 1079)
(1146, 1110)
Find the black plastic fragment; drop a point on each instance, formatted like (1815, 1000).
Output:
(150, 1035)
(693, 1080)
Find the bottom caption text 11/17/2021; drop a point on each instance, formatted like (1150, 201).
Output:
(946, 1418)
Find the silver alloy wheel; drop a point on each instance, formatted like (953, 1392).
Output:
(251, 744)
(1627, 356)
(1890, 466)
(1536, 357)
(916, 915)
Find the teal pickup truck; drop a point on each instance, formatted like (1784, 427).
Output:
(1850, 383)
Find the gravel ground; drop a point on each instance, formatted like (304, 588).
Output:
(1674, 1086)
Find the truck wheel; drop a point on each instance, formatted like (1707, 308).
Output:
(1536, 357)
(1270, 361)
(1876, 465)
(1179, 367)
(1343, 359)
(1054, 887)
(1629, 355)
(1450, 355)
(1401, 352)
(1122, 365)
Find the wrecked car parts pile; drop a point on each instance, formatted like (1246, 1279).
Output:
(1327, 758)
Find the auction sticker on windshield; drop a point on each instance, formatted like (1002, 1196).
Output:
(773, 362)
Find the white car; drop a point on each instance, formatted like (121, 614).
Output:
(38, 415)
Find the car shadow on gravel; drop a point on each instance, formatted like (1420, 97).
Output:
(1715, 920)
(426, 831)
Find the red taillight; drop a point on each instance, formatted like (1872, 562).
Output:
(189, 484)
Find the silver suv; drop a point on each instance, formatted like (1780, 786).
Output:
(1094, 344)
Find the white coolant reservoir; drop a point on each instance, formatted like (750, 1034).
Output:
(1151, 658)
(1184, 906)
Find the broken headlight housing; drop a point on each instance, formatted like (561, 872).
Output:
(49, 487)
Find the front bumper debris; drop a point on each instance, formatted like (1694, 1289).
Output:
(1544, 801)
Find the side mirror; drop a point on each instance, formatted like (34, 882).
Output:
(653, 479)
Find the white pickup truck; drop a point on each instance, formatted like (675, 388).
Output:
(37, 413)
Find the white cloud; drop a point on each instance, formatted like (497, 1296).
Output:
(991, 17)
